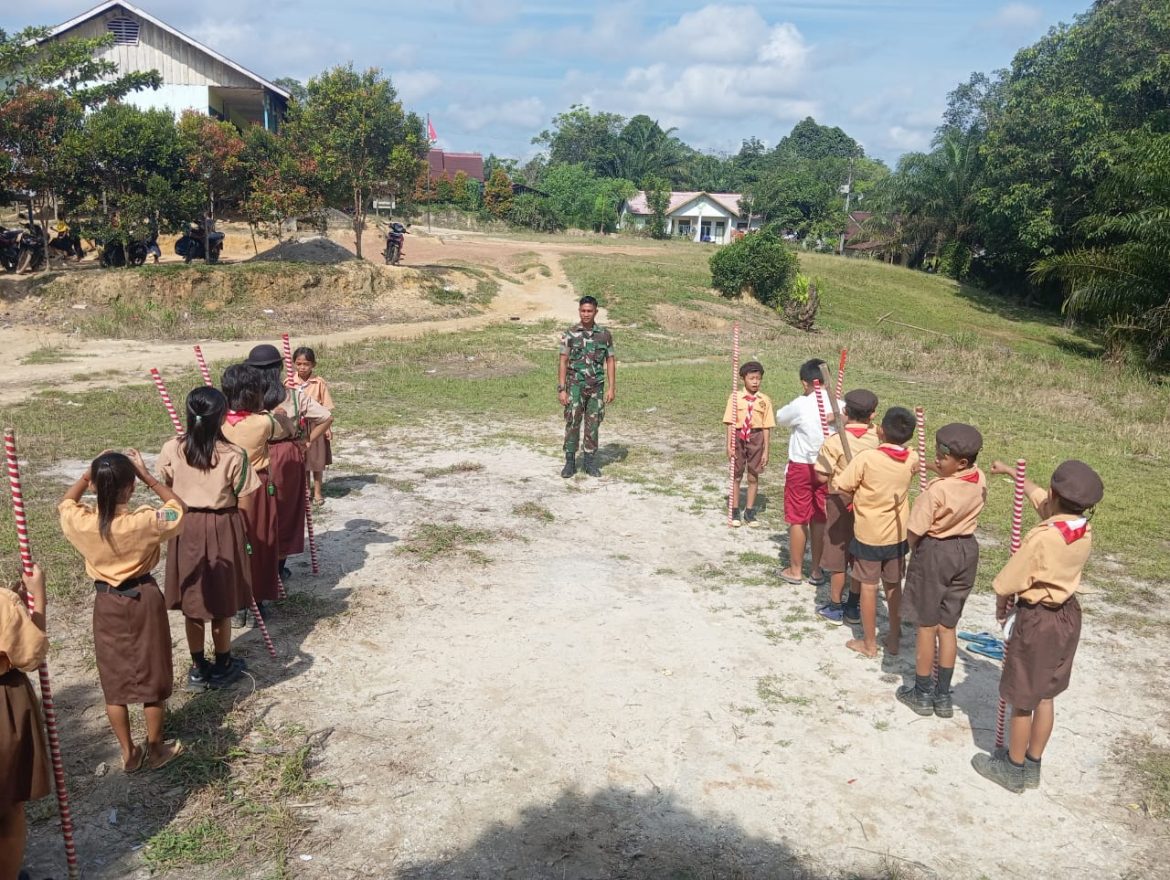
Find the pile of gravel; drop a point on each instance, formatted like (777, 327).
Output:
(314, 249)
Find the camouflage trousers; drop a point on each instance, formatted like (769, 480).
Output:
(586, 405)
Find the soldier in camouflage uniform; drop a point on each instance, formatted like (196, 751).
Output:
(586, 382)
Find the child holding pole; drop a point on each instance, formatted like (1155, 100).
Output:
(943, 564)
(879, 480)
(1044, 577)
(860, 406)
(131, 637)
(804, 497)
(749, 440)
(320, 452)
(209, 575)
(24, 754)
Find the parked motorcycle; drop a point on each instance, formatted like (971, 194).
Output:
(395, 238)
(116, 253)
(190, 246)
(9, 248)
(31, 250)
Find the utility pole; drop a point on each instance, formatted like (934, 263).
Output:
(848, 196)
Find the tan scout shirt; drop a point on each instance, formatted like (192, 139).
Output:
(230, 477)
(316, 389)
(880, 487)
(763, 413)
(1046, 569)
(950, 506)
(22, 644)
(135, 538)
(831, 460)
(253, 433)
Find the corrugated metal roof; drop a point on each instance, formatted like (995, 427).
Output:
(728, 201)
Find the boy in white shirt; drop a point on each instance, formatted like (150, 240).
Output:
(804, 494)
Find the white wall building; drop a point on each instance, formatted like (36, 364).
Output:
(194, 77)
(700, 216)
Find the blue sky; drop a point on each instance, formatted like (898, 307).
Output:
(492, 73)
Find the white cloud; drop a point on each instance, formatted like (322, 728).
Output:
(522, 113)
(1015, 17)
(898, 137)
(414, 85)
(714, 33)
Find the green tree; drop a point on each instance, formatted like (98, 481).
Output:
(645, 149)
(810, 140)
(534, 212)
(1120, 279)
(497, 194)
(282, 183)
(581, 137)
(759, 265)
(213, 152)
(444, 190)
(351, 124)
(295, 88)
(657, 191)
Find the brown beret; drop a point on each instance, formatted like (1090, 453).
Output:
(959, 440)
(1078, 484)
(860, 400)
(751, 367)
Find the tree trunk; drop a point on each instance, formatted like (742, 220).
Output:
(44, 228)
(357, 221)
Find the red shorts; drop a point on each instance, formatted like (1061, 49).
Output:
(804, 496)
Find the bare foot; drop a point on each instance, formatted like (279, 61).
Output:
(164, 753)
(858, 645)
(892, 646)
(133, 762)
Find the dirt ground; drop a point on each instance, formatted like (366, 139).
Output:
(602, 681)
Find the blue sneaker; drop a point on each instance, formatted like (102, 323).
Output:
(835, 614)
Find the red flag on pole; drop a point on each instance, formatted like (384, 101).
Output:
(431, 136)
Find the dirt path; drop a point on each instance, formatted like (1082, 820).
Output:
(530, 300)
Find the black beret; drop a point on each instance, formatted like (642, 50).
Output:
(751, 367)
(959, 440)
(1078, 484)
(861, 400)
(263, 356)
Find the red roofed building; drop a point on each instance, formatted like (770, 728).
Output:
(442, 162)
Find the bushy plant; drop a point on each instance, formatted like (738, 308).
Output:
(760, 265)
(534, 212)
(803, 302)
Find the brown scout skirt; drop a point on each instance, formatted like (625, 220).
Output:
(320, 454)
(24, 754)
(287, 467)
(132, 642)
(838, 532)
(209, 575)
(261, 526)
(939, 579)
(1040, 653)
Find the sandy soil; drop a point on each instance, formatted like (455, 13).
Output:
(617, 692)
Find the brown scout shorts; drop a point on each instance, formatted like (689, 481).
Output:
(939, 579)
(838, 532)
(1040, 653)
(872, 564)
(749, 454)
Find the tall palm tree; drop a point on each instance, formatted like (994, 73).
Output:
(1122, 280)
(645, 149)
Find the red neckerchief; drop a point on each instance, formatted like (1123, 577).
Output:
(745, 432)
(972, 477)
(234, 417)
(1072, 529)
(856, 431)
(897, 453)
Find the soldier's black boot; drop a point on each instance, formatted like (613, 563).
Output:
(591, 465)
(570, 467)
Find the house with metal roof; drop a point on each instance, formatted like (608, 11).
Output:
(700, 216)
(194, 76)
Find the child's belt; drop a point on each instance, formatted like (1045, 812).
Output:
(128, 587)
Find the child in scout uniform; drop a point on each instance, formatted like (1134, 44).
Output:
(287, 453)
(879, 481)
(249, 427)
(24, 754)
(860, 406)
(131, 637)
(804, 496)
(209, 575)
(1044, 576)
(749, 421)
(320, 453)
(943, 562)
(586, 382)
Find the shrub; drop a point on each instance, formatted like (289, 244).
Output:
(803, 302)
(534, 212)
(759, 264)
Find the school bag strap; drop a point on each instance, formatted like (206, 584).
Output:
(243, 475)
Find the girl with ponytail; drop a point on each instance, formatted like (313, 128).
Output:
(131, 638)
(209, 575)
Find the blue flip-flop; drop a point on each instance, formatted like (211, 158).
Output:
(985, 638)
(995, 652)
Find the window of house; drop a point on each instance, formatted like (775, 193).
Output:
(684, 227)
(125, 31)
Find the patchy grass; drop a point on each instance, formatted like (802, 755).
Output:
(50, 354)
(201, 843)
(770, 690)
(463, 467)
(430, 541)
(1150, 766)
(533, 510)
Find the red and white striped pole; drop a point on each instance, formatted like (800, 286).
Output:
(50, 711)
(166, 399)
(821, 406)
(920, 417)
(1017, 529)
(732, 488)
(841, 373)
(206, 373)
(178, 430)
(314, 561)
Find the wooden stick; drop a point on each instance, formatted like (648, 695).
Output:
(733, 487)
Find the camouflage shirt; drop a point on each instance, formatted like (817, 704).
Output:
(588, 351)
